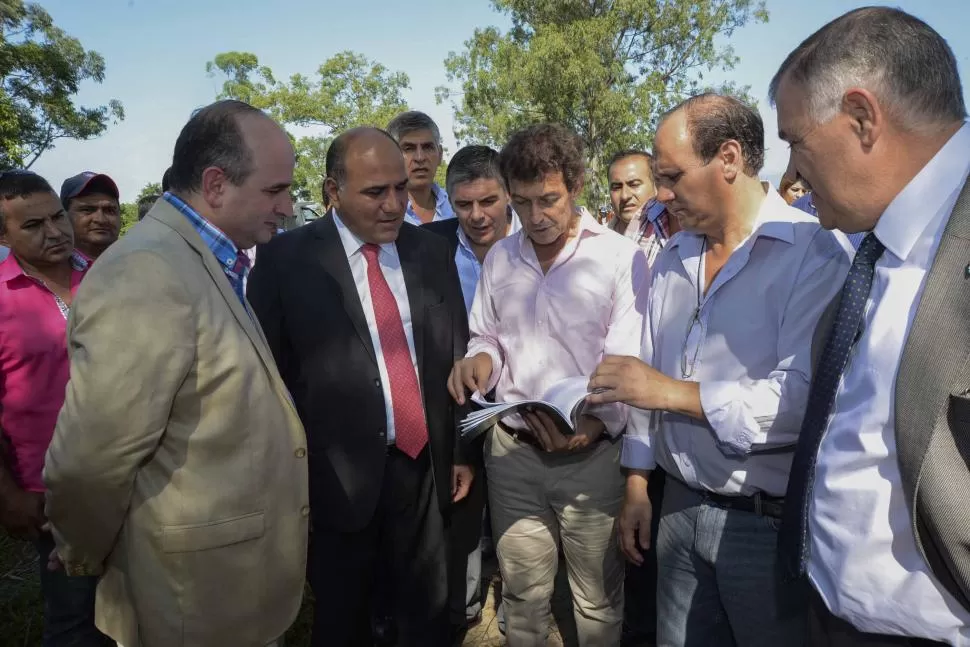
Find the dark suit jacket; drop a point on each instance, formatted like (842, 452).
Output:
(466, 529)
(933, 407)
(304, 295)
(448, 229)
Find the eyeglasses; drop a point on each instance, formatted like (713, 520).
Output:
(688, 357)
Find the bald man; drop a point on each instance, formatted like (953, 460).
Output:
(365, 316)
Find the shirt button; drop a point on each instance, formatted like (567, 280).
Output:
(305, 511)
(300, 453)
(377, 383)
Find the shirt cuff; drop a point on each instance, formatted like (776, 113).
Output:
(637, 454)
(614, 416)
(722, 405)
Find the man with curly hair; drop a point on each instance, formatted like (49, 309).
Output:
(552, 301)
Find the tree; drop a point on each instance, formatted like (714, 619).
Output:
(152, 189)
(605, 68)
(347, 91)
(41, 69)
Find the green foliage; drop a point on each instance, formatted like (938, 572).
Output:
(347, 91)
(606, 68)
(129, 216)
(149, 190)
(41, 69)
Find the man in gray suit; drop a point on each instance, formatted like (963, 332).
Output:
(876, 512)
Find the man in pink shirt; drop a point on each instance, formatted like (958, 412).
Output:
(552, 301)
(37, 285)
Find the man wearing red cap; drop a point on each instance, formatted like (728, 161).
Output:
(92, 200)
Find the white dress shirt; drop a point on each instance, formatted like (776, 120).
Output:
(864, 560)
(394, 275)
(541, 328)
(752, 347)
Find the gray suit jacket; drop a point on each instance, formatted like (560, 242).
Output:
(178, 468)
(933, 407)
(933, 410)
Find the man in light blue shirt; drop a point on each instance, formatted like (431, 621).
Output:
(723, 382)
(484, 217)
(420, 140)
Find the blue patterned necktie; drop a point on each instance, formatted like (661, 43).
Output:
(793, 536)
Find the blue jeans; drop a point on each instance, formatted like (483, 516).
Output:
(718, 579)
(68, 605)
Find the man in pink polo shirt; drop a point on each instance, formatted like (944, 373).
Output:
(37, 284)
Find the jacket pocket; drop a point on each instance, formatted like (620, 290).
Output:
(215, 534)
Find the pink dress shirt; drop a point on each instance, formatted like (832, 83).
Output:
(541, 328)
(34, 367)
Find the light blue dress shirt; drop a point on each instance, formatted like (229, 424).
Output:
(750, 351)
(469, 269)
(442, 208)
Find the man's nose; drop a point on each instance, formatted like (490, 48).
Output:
(664, 194)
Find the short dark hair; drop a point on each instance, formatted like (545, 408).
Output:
(413, 121)
(212, 138)
(336, 160)
(619, 156)
(713, 119)
(20, 184)
(533, 152)
(145, 205)
(166, 179)
(473, 163)
(908, 64)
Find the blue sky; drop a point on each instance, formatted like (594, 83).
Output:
(156, 51)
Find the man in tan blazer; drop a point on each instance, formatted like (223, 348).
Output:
(178, 466)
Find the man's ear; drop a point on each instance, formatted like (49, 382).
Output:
(866, 117)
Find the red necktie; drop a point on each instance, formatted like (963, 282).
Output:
(410, 427)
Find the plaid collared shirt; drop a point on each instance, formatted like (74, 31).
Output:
(233, 261)
(650, 229)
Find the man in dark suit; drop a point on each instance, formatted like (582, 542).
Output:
(364, 315)
(876, 512)
(480, 200)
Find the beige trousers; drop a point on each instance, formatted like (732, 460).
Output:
(538, 500)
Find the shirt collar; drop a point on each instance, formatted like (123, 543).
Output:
(775, 219)
(587, 223)
(221, 245)
(937, 185)
(513, 228)
(352, 243)
(10, 268)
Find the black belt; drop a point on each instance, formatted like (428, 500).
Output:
(758, 503)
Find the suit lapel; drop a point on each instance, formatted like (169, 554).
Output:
(171, 217)
(937, 348)
(411, 265)
(333, 258)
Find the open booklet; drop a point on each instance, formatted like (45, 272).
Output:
(564, 402)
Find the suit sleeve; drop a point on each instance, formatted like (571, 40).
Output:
(263, 294)
(131, 341)
(453, 295)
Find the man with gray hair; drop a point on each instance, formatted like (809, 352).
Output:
(876, 511)
(483, 217)
(722, 381)
(420, 140)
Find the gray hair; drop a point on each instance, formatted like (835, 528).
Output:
(898, 57)
(473, 163)
(413, 121)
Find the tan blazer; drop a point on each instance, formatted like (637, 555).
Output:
(178, 464)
